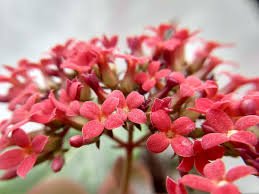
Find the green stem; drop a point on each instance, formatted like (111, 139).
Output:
(128, 162)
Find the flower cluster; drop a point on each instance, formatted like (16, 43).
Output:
(168, 84)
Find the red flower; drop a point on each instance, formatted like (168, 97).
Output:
(216, 180)
(200, 157)
(128, 108)
(174, 188)
(149, 79)
(25, 157)
(100, 117)
(192, 84)
(225, 130)
(171, 133)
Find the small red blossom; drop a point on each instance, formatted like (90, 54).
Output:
(149, 79)
(200, 157)
(225, 130)
(100, 117)
(25, 157)
(217, 180)
(171, 133)
(128, 108)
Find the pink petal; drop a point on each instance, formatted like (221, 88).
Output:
(162, 73)
(202, 105)
(247, 121)
(197, 182)
(90, 110)
(26, 165)
(161, 120)
(113, 121)
(153, 67)
(213, 139)
(228, 189)
(157, 142)
(11, 158)
(149, 84)
(186, 164)
(245, 137)
(109, 105)
(38, 143)
(73, 109)
(137, 116)
(214, 152)
(118, 94)
(215, 170)
(92, 129)
(238, 172)
(20, 138)
(140, 78)
(219, 120)
(173, 188)
(182, 146)
(183, 125)
(134, 100)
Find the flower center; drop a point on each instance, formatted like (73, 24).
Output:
(170, 134)
(221, 183)
(231, 132)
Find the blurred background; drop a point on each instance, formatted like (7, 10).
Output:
(28, 28)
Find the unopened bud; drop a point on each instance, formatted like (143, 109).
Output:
(76, 141)
(57, 163)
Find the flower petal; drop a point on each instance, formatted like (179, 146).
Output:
(134, 100)
(162, 73)
(183, 125)
(161, 120)
(173, 188)
(215, 170)
(197, 182)
(92, 129)
(20, 138)
(141, 77)
(11, 158)
(118, 94)
(202, 105)
(219, 120)
(228, 188)
(247, 121)
(153, 67)
(238, 172)
(213, 139)
(157, 142)
(200, 162)
(186, 164)
(26, 165)
(137, 116)
(73, 109)
(148, 84)
(114, 121)
(109, 105)
(182, 146)
(38, 143)
(245, 137)
(90, 110)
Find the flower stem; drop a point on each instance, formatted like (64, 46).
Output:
(128, 162)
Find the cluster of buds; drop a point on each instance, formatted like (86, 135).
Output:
(169, 84)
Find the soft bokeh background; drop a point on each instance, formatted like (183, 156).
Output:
(30, 27)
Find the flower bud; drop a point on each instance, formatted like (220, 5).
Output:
(76, 141)
(57, 163)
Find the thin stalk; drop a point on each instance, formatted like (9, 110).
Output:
(128, 162)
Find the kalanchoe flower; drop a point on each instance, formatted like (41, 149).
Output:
(200, 157)
(100, 117)
(129, 108)
(217, 180)
(149, 79)
(25, 157)
(171, 133)
(225, 130)
(173, 187)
